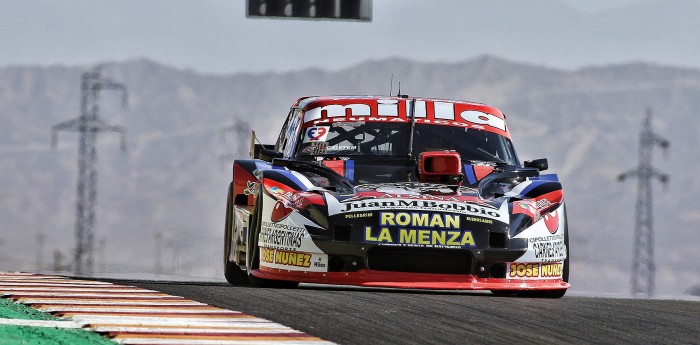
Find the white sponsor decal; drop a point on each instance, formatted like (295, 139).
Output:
(287, 234)
(542, 245)
(389, 108)
(318, 133)
(335, 207)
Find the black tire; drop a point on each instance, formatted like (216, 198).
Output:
(253, 251)
(233, 273)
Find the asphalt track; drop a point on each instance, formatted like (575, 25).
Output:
(348, 315)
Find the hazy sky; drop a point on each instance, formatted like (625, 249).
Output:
(215, 36)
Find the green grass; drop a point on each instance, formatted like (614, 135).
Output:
(12, 310)
(16, 335)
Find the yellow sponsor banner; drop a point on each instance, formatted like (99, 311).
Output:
(285, 259)
(421, 237)
(535, 270)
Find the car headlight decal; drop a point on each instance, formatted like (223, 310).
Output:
(543, 206)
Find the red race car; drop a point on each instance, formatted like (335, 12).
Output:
(396, 192)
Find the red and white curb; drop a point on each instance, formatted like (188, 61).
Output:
(131, 315)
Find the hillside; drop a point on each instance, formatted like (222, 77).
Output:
(171, 180)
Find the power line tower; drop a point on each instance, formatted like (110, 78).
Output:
(643, 267)
(89, 125)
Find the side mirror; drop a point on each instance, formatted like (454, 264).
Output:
(268, 155)
(541, 164)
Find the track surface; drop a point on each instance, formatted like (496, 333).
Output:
(347, 315)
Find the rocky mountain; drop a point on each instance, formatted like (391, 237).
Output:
(171, 180)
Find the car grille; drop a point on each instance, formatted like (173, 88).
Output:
(419, 260)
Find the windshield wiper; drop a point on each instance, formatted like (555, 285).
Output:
(489, 156)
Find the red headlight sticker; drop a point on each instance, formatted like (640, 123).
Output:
(280, 211)
(534, 208)
(551, 220)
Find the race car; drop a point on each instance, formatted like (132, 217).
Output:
(396, 192)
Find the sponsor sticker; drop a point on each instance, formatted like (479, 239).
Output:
(293, 260)
(535, 270)
(251, 188)
(427, 205)
(350, 169)
(547, 248)
(316, 133)
(315, 148)
(336, 165)
(389, 110)
(358, 215)
(280, 235)
(419, 229)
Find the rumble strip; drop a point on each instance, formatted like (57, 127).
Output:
(131, 315)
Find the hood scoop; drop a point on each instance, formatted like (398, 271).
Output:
(442, 167)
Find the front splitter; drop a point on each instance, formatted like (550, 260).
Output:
(373, 278)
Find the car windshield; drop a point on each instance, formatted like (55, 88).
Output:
(348, 139)
(472, 144)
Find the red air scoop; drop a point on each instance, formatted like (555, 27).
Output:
(440, 167)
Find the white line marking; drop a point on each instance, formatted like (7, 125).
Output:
(182, 321)
(186, 330)
(52, 284)
(202, 326)
(133, 315)
(145, 310)
(86, 294)
(107, 302)
(149, 341)
(40, 323)
(75, 289)
(155, 320)
(44, 280)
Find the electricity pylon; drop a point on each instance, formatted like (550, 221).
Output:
(643, 268)
(88, 124)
